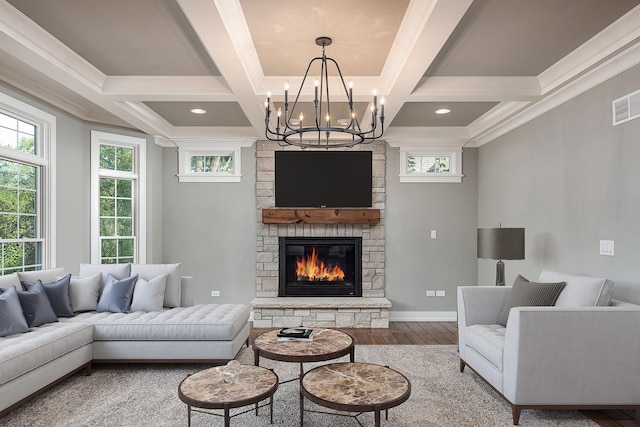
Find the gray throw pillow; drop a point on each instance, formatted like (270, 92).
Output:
(117, 294)
(36, 307)
(12, 319)
(529, 294)
(59, 297)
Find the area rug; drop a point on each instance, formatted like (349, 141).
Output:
(146, 395)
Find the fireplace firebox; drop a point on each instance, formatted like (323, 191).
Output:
(320, 266)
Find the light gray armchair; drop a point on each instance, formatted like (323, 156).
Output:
(552, 357)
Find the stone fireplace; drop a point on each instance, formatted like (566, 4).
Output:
(270, 310)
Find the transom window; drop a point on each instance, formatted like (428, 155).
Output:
(433, 165)
(200, 163)
(117, 228)
(26, 187)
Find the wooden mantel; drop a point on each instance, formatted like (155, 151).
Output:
(320, 216)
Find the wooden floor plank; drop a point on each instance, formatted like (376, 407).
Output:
(446, 333)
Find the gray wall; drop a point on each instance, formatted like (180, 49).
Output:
(211, 228)
(415, 262)
(571, 179)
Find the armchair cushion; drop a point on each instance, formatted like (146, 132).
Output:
(581, 291)
(530, 294)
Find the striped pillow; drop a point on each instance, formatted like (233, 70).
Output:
(529, 294)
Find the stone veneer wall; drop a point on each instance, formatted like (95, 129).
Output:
(373, 237)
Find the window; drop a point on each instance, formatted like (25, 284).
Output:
(220, 165)
(434, 165)
(199, 162)
(118, 199)
(27, 183)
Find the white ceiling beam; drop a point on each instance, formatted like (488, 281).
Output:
(604, 44)
(27, 42)
(166, 88)
(476, 88)
(216, 34)
(424, 30)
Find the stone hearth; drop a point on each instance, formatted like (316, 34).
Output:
(270, 311)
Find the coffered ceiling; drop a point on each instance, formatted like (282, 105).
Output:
(145, 64)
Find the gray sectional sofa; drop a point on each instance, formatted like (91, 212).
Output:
(579, 352)
(177, 332)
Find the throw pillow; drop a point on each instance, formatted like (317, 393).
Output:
(58, 294)
(119, 271)
(173, 291)
(9, 280)
(36, 307)
(581, 291)
(11, 316)
(45, 276)
(528, 294)
(117, 294)
(149, 295)
(85, 292)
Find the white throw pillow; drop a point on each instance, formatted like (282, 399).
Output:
(580, 291)
(173, 290)
(149, 295)
(85, 292)
(45, 276)
(119, 271)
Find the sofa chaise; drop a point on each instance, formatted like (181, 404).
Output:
(580, 353)
(176, 332)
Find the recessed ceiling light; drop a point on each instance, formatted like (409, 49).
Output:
(198, 110)
(344, 122)
(443, 111)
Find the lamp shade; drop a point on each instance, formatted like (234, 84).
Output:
(501, 243)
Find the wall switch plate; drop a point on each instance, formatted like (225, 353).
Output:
(434, 234)
(431, 293)
(606, 247)
(440, 293)
(215, 293)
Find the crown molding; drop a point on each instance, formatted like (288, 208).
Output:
(484, 131)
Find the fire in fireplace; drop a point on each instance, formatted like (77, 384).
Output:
(320, 266)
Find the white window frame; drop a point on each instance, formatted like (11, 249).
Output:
(186, 175)
(46, 151)
(139, 190)
(455, 166)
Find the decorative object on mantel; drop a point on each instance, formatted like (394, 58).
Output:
(321, 216)
(500, 243)
(323, 131)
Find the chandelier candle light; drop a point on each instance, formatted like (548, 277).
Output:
(321, 133)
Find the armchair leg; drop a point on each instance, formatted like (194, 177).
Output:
(462, 365)
(515, 411)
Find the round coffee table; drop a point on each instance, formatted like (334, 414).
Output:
(207, 390)
(355, 387)
(327, 344)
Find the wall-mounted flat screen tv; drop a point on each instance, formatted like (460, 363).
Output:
(332, 179)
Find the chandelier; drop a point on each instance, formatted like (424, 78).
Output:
(322, 131)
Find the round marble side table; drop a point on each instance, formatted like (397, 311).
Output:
(327, 344)
(207, 390)
(354, 387)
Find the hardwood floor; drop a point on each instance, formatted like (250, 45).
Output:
(443, 333)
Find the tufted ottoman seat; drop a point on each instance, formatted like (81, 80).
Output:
(197, 333)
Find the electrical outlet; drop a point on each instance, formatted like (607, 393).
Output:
(440, 293)
(434, 234)
(606, 247)
(431, 293)
(215, 293)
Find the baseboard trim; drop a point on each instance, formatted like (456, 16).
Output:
(423, 316)
(414, 316)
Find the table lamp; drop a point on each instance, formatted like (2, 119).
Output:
(500, 243)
